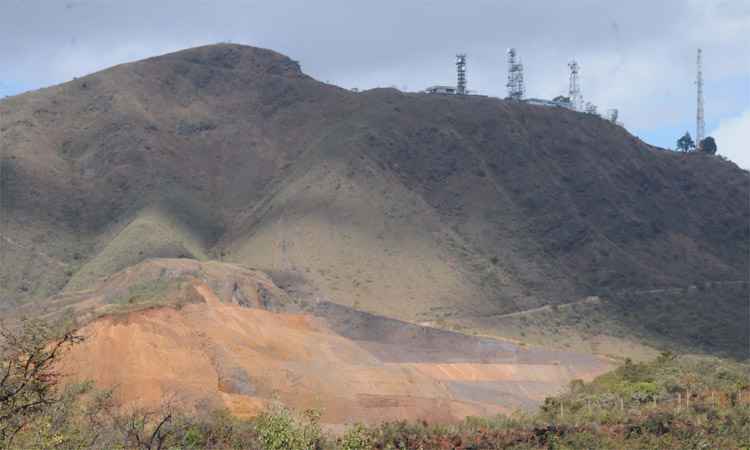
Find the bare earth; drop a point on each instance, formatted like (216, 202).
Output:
(213, 352)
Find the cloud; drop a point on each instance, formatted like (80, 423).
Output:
(641, 63)
(732, 137)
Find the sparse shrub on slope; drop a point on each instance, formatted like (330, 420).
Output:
(281, 429)
(357, 437)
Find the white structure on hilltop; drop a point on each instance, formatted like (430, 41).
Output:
(574, 88)
(549, 103)
(441, 90)
(460, 87)
(461, 74)
(700, 124)
(515, 85)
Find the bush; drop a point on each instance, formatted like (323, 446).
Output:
(659, 423)
(280, 429)
(357, 437)
(642, 392)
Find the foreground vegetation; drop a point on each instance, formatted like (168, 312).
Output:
(672, 402)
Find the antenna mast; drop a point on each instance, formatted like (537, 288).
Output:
(461, 73)
(574, 91)
(515, 76)
(700, 124)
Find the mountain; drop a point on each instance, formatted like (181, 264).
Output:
(451, 210)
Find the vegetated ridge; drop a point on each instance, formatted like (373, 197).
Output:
(446, 209)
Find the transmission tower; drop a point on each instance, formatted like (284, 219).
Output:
(574, 91)
(515, 76)
(700, 124)
(461, 73)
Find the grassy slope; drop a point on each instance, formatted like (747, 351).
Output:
(364, 240)
(710, 318)
(453, 207)
(153, 233)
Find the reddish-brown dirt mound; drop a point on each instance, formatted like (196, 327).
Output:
(204, 348)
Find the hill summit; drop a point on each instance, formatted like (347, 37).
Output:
(430, 208)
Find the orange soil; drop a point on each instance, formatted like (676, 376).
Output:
(215, 354)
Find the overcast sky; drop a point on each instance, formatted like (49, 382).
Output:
(637, 55)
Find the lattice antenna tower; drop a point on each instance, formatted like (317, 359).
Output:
(461, 73)
(574, 90)
(700, 124)
(515, 76)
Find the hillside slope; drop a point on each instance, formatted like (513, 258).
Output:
(417, 206)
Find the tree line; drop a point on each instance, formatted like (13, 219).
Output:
(686, 144)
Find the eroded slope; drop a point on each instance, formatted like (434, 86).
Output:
(218, 335)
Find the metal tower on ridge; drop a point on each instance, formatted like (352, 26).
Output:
(574, 91)
(700, 124)
(461, 73)
(515, 76)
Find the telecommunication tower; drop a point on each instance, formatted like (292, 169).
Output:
(461, 73)
(574, 90)
(700, 124)
(515, 76)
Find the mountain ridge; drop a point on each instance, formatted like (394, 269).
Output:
(417, 206)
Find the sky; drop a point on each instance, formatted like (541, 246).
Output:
(637, 56)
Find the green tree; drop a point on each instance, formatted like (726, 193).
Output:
(685, 143)
(708, 145)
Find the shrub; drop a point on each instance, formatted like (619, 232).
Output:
(659, 423)
(280, 429)
(642, 392)
(357, 437)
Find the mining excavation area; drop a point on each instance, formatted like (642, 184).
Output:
(214, 335)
